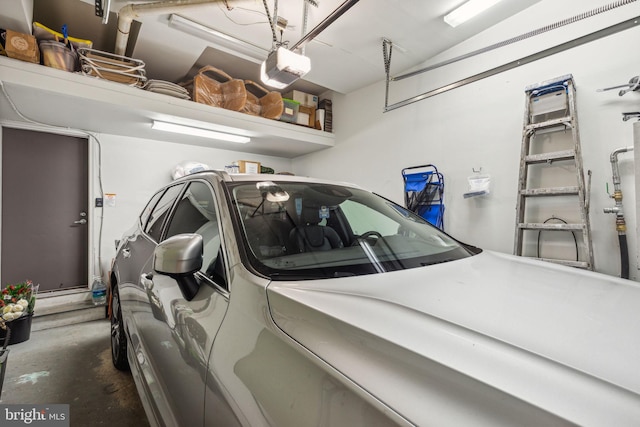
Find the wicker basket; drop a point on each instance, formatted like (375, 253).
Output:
(112, 67)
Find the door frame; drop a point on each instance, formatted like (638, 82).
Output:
(94, 215)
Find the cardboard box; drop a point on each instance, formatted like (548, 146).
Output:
(246, 166)
(303, 98)
(22, 46)
(306, 116)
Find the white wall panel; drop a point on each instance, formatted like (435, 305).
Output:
(133, 169)
(479, 125)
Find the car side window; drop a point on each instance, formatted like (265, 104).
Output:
(196, 213)
(160, 212)
(146, 212)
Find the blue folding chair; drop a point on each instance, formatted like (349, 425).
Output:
(424, 193)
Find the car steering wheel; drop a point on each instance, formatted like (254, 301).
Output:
(365, 236)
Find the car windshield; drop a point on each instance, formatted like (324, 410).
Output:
(301, 230)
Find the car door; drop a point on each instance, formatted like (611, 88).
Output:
(177, 334)
(127, 268)
(136, 248)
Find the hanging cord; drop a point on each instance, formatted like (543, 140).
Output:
(575, 240)
(521, 37)
(87, 133)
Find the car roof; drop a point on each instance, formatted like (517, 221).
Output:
(244, 177)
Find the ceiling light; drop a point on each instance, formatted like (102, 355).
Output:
(205, 133)
(220, 41)
(467, 11)
(283, 67)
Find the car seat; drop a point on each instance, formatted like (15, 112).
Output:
(267, 235)
(309, 236)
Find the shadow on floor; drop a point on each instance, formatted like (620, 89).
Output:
(72, 364)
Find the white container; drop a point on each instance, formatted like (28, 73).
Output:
(550, 102)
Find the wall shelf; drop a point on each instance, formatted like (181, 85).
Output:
(76, 101)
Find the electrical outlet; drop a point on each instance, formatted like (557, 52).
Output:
(99, 202)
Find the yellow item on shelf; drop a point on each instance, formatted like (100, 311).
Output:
(44, 33)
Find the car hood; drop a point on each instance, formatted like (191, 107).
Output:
(526, 336)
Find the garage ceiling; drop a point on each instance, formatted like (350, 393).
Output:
(345, 57)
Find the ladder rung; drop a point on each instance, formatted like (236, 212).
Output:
(566, 121)
(553, 191)
(569, 263)
(550, 157)
(550, 227)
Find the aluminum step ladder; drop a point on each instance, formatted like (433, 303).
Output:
(551, 107)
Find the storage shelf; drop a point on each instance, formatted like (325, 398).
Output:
(76, 101)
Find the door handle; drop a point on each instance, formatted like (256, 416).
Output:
(156, 306)
(82, 220)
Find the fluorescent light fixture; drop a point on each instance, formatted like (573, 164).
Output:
(221, 41)
(283, 67)
(204, 133)
(467, 11)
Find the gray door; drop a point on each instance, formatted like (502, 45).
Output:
(44, 209)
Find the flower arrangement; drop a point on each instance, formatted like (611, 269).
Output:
(17, 300)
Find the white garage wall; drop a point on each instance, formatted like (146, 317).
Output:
(480, 125)
(133, 169)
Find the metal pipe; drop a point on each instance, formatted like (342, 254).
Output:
(325, 23)
(128, 13)
(621, 225)
(616, 28)
(613, 158)
(521, 37)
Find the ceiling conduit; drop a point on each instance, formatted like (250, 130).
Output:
(128, 13)
(387, 46)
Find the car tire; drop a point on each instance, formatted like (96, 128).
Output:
(118, 337)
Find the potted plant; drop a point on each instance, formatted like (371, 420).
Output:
(16, 310)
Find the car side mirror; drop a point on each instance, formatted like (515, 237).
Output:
(180, 257)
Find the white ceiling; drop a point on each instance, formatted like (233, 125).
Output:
(344, 57)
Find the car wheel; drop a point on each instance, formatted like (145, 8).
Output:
(118, 338)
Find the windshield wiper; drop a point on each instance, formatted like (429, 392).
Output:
(294, 275)
(441, 261)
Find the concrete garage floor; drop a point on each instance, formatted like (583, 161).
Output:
(72, 364)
